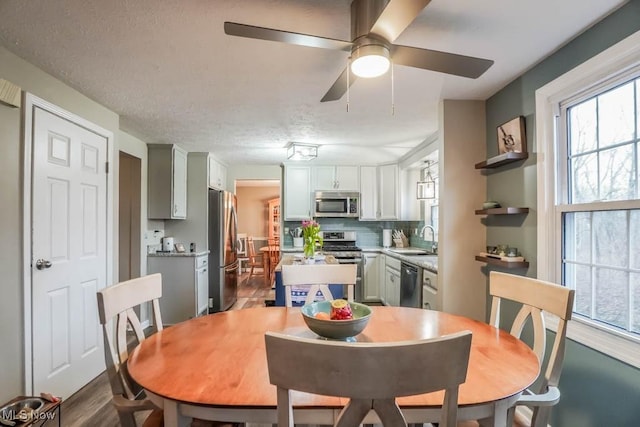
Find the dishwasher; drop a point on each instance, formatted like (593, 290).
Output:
(410, 286)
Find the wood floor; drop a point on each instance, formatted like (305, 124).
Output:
(91, 406)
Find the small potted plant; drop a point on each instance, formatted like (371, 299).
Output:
(311, 238)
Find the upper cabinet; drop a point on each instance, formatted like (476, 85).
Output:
(379, 192)
(217, 174)
(368, 193)
(297, 192)
(343, 178)
(167, 182)
(388, 191)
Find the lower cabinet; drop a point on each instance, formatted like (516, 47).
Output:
(185, 286)
(372, 276)
(392, 281)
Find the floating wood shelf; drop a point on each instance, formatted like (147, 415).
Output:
(503, 264)
(502, 211)
(501, 160)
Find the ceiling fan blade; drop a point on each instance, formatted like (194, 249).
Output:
(252, 32)
(339, 87)
(444, 62)
(396, 17)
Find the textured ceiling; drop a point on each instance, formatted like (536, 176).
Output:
(169, 70)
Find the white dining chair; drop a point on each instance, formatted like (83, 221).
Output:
(116, 303)
(535, 297)
(116, 311)
(316, 278)
(243, 255)
(371, 375)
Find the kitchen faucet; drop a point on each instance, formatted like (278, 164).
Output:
(434, 244)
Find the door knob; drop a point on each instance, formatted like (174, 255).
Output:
(41, 264)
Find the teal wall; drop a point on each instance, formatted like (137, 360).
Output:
(596, 389)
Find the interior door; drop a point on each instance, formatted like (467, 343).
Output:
(69, 259)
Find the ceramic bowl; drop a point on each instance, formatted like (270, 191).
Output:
(336, 329)
(490, 205)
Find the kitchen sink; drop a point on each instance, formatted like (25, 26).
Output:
(409, 251)
(428, 258)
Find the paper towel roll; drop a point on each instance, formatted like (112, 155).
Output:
(386, 238)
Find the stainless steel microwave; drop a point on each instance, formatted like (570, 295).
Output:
(337, 204)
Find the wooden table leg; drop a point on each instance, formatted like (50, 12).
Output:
(265, 267)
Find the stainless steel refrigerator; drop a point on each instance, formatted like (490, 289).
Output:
(223, 255)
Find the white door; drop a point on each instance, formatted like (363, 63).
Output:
(69, 197)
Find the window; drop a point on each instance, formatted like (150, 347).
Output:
(588, 137)
(599, 137)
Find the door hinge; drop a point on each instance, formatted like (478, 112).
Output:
(106, 167)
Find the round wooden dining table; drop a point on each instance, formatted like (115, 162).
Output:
(215, 367)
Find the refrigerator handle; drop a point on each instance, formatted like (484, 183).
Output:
(234, 238)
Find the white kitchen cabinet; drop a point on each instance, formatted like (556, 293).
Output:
(388, 191)
(379, 192)
(368, 193)
(372, 276)
(409, 203)
(185, 286)
(202, 285)
(167, 183)
(297, 192)
(392, 281)
(217, 174)
(342, 178)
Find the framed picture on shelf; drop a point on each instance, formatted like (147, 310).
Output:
(511, 136)
(179, 248)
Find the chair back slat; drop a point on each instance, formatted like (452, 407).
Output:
(318, 277)
(378, 372)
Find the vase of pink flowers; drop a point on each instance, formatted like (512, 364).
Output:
(312, 240)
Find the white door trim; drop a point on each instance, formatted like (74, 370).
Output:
(30, 102)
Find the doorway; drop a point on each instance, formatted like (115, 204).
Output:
(129, 230)
(253, 196)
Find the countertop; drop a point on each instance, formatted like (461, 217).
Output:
(178, 254)
(430, 262)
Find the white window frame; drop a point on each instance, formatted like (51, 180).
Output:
(616, 60)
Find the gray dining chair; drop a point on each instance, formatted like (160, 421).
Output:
(371, 375)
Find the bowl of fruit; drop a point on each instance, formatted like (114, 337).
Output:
(337, 319)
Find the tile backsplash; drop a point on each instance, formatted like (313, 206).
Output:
(369, 233)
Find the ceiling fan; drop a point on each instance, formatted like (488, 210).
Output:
(375, 24)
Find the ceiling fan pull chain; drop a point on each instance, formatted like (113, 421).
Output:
(348, 75)
(393, 103)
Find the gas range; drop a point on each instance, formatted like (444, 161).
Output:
(341, 244)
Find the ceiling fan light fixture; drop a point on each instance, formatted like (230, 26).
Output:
(371, 60)
(299, 151)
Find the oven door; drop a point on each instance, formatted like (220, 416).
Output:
(331, 207)
(358, 291)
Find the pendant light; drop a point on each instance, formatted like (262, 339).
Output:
(426, 189)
